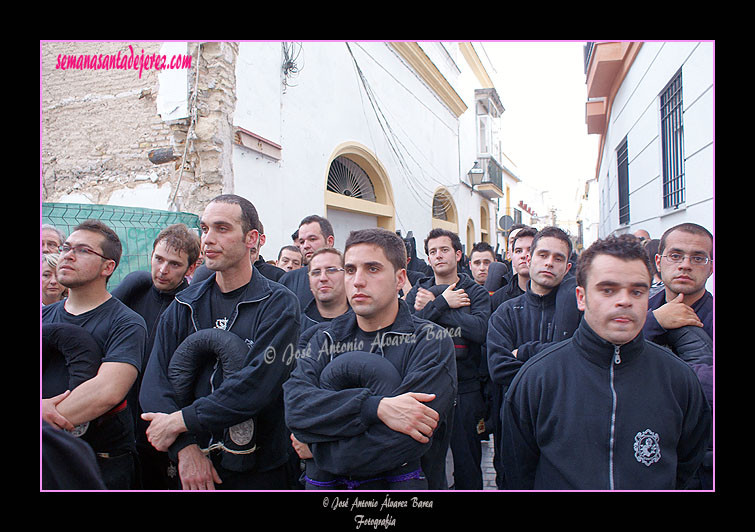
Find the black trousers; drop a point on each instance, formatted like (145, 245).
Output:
(466, 445)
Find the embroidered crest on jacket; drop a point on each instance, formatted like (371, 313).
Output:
(646, 448)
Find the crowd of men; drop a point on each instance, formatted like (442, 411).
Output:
(357, 365)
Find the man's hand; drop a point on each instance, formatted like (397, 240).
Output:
(424, 296)
(302, 449)
(164, 428)
(196, 470)
(456, 298)
(51, 414)
(406, 414)
(675, 314)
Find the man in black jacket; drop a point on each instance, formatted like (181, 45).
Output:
(314, 232)
(325, 273)
(238, 299)
(606, 409)
(353, 434)
(268, 270)
(520, 268)
(546, 313)
(455, 301)
(175, 251)
(520, 245)
(481, 257)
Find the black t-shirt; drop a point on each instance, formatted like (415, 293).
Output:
(122, 335)
(370, 341)
(223, 305)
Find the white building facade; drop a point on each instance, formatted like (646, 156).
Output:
(399, 135)
(367, 134)
(653, 104)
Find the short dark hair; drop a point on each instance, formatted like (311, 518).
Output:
(554, 232)
(322, 251)
(111, 244)
(391, 244)
(288, 248)
(687, 227)
(482, 247)
(250, 220)
(527, 231)
(651, 248)
(326, 228)
(625, 247)
(180, 238)
(439, 232)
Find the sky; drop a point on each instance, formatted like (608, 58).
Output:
(542, 88)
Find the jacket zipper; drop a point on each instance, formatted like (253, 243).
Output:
(615, 362)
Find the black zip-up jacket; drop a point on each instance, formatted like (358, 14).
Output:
(268, 319)
(467, 325)
(298, 282)
(530, 323)
(341, 427)
(310, 319)
(508, 291)
(586, 414)
(138, 292)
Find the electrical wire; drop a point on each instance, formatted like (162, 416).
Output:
(190, 132)
(416, 187)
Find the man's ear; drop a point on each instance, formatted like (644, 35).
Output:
(108, 268)
(192, 268)
(400, 279)
(252, 239)
(581, 298)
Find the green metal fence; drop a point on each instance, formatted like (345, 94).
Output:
(136, 227)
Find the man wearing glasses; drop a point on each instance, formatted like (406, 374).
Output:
(685, 261)
(676, 315)
(88, 258)
(325, 270)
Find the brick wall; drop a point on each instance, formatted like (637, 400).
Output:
(99, 126)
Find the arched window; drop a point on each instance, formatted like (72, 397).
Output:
(358, 192)
(348, 178)
(470, 237)
(444, 211)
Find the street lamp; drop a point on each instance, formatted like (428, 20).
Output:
(475, 174)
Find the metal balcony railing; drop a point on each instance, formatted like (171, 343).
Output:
(493, 171)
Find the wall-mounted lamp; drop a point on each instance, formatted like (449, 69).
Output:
(475, 174)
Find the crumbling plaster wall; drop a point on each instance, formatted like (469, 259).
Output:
(99, 127)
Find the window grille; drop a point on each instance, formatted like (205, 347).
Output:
(672, 140)
(441, 207)
(348, 178)
(622, 160)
